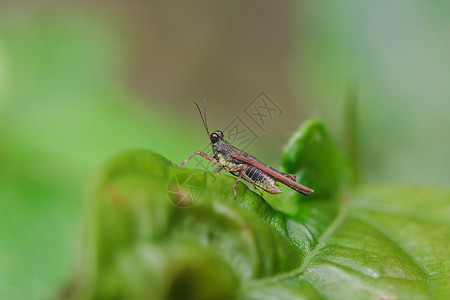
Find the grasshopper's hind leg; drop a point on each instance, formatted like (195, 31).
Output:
(258, 190)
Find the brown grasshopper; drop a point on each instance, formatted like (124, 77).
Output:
(244, 165)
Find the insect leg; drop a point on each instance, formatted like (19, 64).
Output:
(219, 168)
(243, 169)
(256, 188)
(204, 155)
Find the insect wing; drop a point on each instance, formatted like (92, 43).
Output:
(286, 180)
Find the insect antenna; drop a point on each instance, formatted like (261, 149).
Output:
(201, 115)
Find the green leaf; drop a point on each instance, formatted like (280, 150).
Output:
(315, 158)
(317, 161)
(385, 243)
(155, 231)
(133, 212)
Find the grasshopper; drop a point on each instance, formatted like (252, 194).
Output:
(243, 165)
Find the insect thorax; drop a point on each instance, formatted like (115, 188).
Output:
(221, 153)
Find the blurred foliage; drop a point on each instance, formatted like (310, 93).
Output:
(396, 53)
(368, 242)
(61, 115)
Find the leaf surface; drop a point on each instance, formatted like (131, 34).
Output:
(368, 242)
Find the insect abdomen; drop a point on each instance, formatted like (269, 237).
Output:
(262, 180)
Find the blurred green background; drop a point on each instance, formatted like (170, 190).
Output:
(82, 81)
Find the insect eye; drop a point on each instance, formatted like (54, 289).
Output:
(214, 137)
